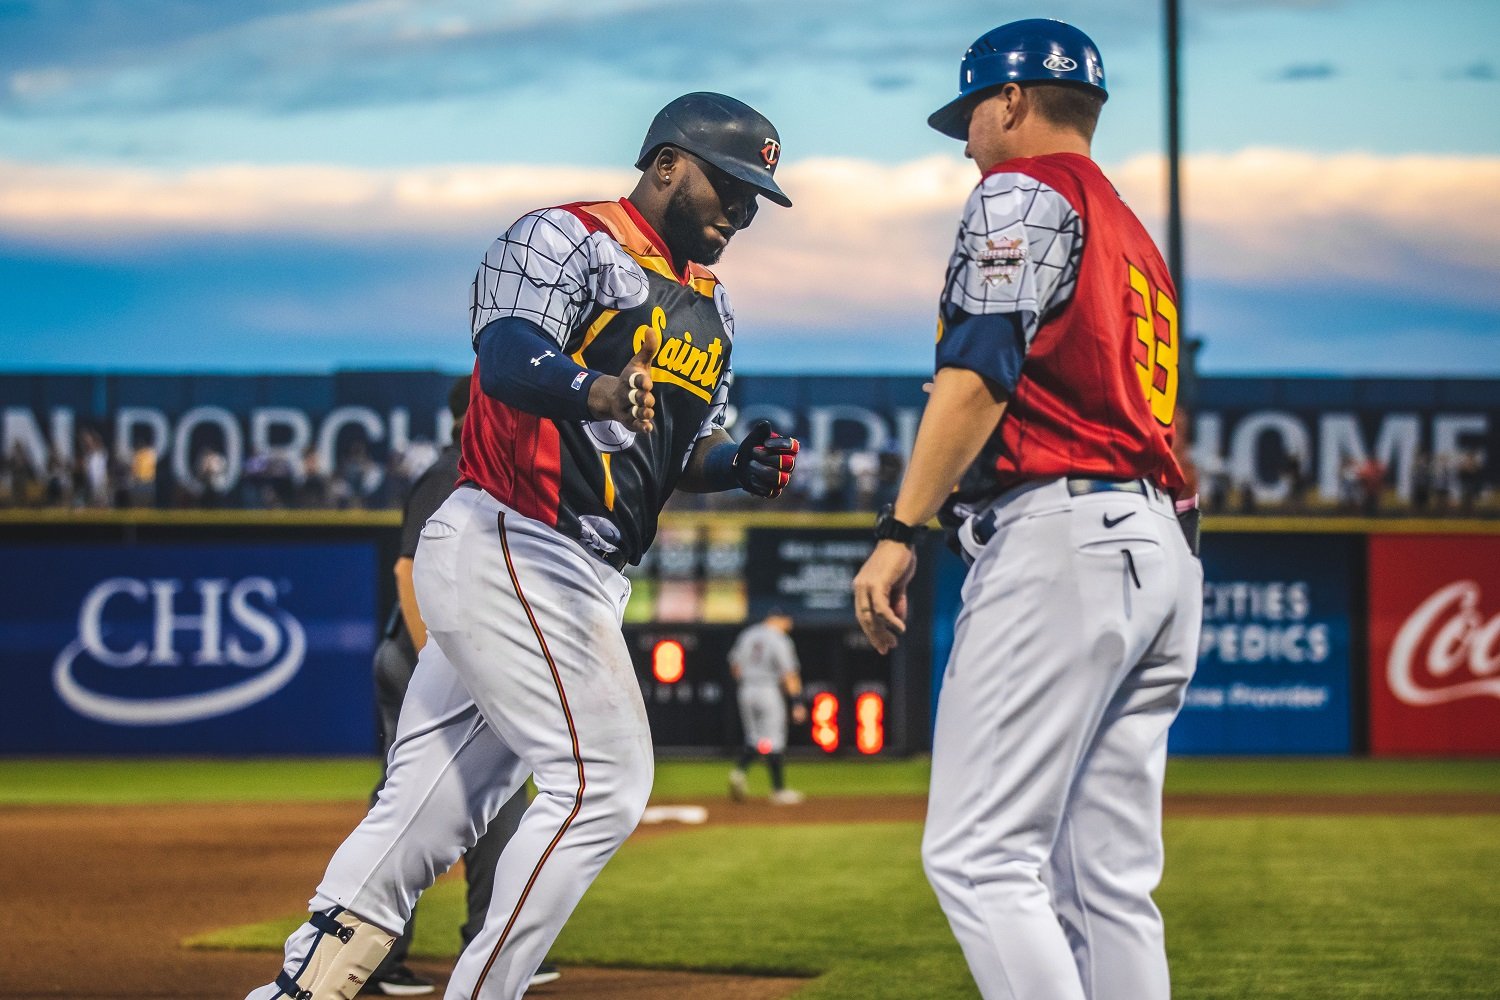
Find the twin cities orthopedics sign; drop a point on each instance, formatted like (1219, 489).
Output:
(1435, 644)
(1274, 662)
(165, 648)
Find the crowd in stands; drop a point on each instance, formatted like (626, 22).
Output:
(838, 480)
(1446, 483)
(95, 479)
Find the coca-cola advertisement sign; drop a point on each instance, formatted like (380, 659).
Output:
(1435, 644)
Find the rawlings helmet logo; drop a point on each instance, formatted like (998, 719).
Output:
(1059, 64)
(1445, 634)
(770, 152)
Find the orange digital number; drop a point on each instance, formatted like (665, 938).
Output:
(1156, 345)
(825, 721)
(869, 717)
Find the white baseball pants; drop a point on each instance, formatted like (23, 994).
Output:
(1077, 638)
(527, 673)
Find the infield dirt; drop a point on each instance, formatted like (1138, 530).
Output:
(98, 898)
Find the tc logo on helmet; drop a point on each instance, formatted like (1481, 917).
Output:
(1059, 64)
(770, 152)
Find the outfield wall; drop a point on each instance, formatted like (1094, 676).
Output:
(233, 633)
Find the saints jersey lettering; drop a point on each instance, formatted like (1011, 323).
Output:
(595, 278)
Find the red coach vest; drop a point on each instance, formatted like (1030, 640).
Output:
(1098, 389)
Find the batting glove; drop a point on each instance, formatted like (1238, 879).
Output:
(764, 461)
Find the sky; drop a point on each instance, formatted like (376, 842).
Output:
(308, 185)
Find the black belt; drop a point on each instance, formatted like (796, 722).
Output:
(984, 526)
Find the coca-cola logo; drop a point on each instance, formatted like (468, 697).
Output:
(1446, 650)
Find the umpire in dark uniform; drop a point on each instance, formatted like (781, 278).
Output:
(395, 659)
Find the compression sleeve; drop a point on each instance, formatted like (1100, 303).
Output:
(522, 367)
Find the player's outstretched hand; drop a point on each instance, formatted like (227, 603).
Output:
(628, 397)
(764, 461)
(880, 593)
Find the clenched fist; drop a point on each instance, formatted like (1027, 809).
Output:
(764, 461)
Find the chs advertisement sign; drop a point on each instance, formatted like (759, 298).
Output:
(225, 649)
(1435, 644)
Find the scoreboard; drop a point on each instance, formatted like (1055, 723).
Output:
(859, 703)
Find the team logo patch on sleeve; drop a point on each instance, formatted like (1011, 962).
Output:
(1000, 261)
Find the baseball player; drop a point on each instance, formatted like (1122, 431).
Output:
(1047, 445)
(603, 368)
(763, 662)
(395, 660)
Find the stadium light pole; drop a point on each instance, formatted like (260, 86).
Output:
(1188, 346)
(1174, 151)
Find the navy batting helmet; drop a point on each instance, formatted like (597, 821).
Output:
(1038, 49)
(730, 134)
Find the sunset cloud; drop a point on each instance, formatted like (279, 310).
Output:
(864, 236)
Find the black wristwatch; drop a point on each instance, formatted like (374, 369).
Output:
(887, 527)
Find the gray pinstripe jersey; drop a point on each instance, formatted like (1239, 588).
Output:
(764, 655)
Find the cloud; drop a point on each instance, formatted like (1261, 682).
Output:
(1300, 72)
(372, 52)
(63, 205)
(1427, 226)
(866, 242)
(1481, 70)
(292, 57)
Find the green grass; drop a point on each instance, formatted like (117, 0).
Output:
(1275, 908)
(52, 781)
(61, 781)
(1330, 776)
(1349, 907)
(1272, 908)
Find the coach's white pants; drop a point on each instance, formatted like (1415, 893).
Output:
(1070, 660)
(527, 673)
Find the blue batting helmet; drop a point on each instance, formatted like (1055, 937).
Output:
(1038, 49)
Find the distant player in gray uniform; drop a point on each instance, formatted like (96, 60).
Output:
(763, 661)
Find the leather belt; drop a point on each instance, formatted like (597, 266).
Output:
(1083, 487)
(1078, 486)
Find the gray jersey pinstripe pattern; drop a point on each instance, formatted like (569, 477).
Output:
(1005, 207)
